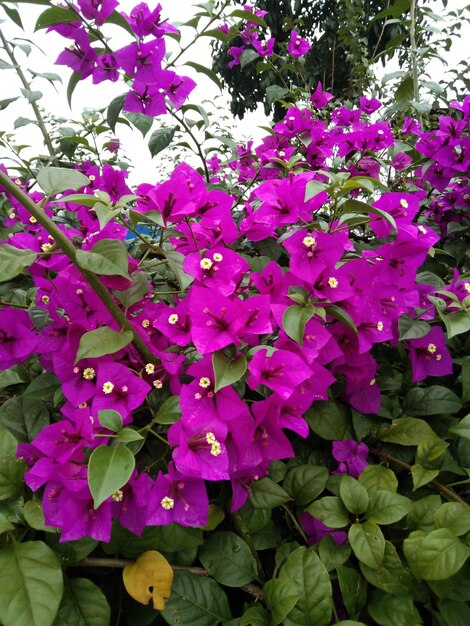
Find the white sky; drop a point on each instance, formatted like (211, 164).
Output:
(97, 96)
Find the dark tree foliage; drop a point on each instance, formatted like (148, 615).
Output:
(344, 39)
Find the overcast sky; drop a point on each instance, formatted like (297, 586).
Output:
(97, 96)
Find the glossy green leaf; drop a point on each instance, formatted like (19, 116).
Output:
(202, 69)
(53, 180)
(102, 341)
(308, 585)
(389, 610)
(5, 524)
(454, 516)
(462, 428)
(367, 543)
(169, 412)
(266, 494)
(110, 419)
(375, 477)
(294, 320)
(11, 468)
(13, 261)
(440, 555)
(330, 510)
(407, 431)
(228, 559)
(255, 616)
(114, 110)
(329, 420)
(422, 476)
(161, 139)
(353, 589)
(434, 400)
(109, 469)
(386, 507)
(83, 604)
(354, 495)
(227, 370)
(411, 328)
(24, 417)
(391, 576)
(305, 483)
(196, 601)
(108, 257)
(55, 15)
(31, 584)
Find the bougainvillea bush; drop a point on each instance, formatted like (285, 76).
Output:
(236, 393)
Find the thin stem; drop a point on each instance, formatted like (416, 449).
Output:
(69, 250)
(253, 590)
(242, 531)
(34, 106)
(198, 145)
(296, 523)
(414, 50)
(445, 491)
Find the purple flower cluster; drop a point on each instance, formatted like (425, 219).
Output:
(139, 62)
(357, 289)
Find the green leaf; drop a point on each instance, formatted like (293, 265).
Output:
(5, 525)
(34, 516)
(340, 314)
(169, 412)
(175, 260)
(55, 15)
(31, 96)
(329, 420)
(128, 435)
(114, 109)
(274, 93)
(109, 469)
(439, 555)
(404, 92)
(305, 483)
(353, 494)
(171, 537)
(375, 477)
(7, 101)
(389, 610)
(110, 419)
(53, 180)
(367, 543)
(456, 323)
(11, 468)
(430, 452)
(105, 213)
(24, 417)
(387, 508)
(307, 582)
(294, 321)
(228, 559)
(13, 261)
(422, 476)
(353, 589)
(83, 604)
(160, 139)
(454, 516)
(31, 584)
(102, 341)
(466, 379)
(43, 386)
(118, 20)
(13, 15)
(202, 69)
(254, 616)
(22, 121)
(266, 494)
(411, 328)
(332, 554)
(356, 206)
(247, 57)
(421, 516)
(75, 78)
(462, 428)
(9, 377)
(329, 510)
(391, 576)
(108, 257)
(227, 370)
(434, 400)
(249, 16)
(141, 122)
(406, 431)
(196, 601)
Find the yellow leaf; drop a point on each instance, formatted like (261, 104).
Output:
(151, 576)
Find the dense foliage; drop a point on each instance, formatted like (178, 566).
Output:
(245, 385)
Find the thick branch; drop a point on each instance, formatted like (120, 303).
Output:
(69, 249)
(445, 491)
(34, 106)
(253, 590)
